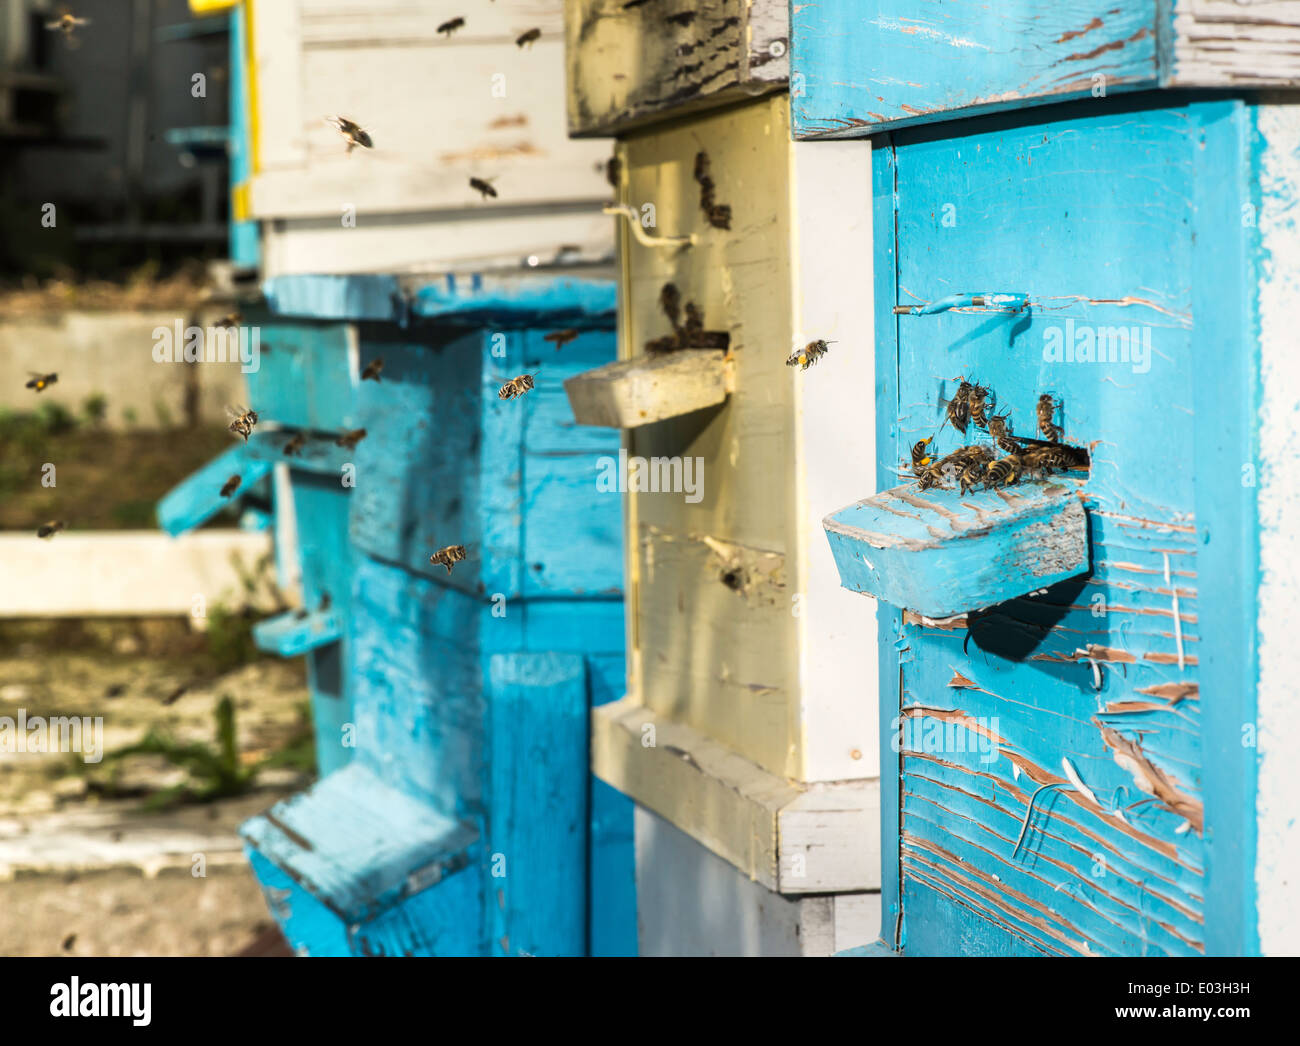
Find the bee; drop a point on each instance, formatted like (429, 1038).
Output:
(1045, 411)
(69, 941)
(231, 485)
(451, 26)
(670, 301)
(48, 530)
(920, 458)
(1000, 429)
(350, 438)
(373, 368)
(561, 338)
(1004, 471)
(1054, 456)
(529, 37)
(242, 421)
(930, 476)
(41, 382)
(516, 387)
(295, 445)
(972, 473)
(67, 24)
(976, 403)
(231, 319)
(959, 407)
(484, 186)
(808, 355)
(613, 172)
(447, 556)
(352, 132)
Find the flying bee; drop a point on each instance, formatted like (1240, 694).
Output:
(516, 387)
(242, 421)
(451, 26)
(295, 445)
(976, 402)
(613, 171)
(48, 530)
(67, 24)
(41, 382)
(231, 485)
(808, 355)
(484, 186)
(920, 459)
(958, 410)
(1003, 472)
(352, 132)
(529, 37)
(1046, 410)
(1000, 430)
(373, 369)
(447, 556)
(350, 438)
(231, 319)
(561, 338)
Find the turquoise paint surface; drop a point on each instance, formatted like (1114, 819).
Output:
(858, 66)
(1101, 233)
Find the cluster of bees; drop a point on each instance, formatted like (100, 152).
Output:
(718, 214)
(978, 462)
(688, 333)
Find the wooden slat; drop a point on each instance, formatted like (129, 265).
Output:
(629, 65)
(632, 393)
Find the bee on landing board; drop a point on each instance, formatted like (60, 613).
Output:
(1004, 471)
(451, 26)
(295, 445)
(1046, 412)
(230, 486)
(484, 186)
(349, 439)
(447, 556)
(353, 133)
(242, 421)
(920, 457)
(516, 387)
(48, 530)
(532, 36)
(808, 355)
(561, 338)
(41, 382)
(373, 369)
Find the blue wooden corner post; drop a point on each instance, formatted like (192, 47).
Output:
(470, 688)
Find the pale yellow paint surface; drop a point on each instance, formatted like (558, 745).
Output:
(720, 659)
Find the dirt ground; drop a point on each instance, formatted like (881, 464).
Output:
(86, 867)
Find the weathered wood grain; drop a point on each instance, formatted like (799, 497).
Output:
(630, 64)
(941, 553)
(631, 393)
(939, 59)
(791, 840)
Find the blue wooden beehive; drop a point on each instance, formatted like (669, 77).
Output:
(1059, 787)
(456, 813)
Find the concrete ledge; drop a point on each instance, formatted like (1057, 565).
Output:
(130, 572)
(791, 838)
(631, 393)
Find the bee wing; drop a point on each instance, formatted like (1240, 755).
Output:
(235, 412)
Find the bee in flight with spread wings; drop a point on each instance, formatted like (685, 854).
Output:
(242, 421)
(353, 133)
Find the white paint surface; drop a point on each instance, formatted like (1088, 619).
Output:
(1278, 803)
(835, 429)
(122, 572)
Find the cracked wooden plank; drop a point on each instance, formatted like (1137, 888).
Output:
(633, 64)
